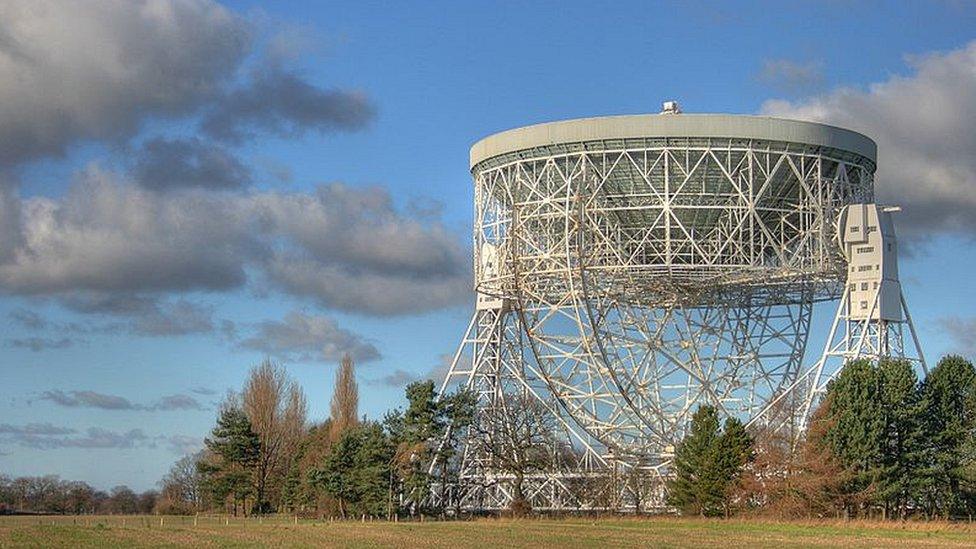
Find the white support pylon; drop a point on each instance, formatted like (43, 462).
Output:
(872, 313)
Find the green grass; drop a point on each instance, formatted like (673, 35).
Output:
(623, 532)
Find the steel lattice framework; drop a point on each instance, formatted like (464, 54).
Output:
(630, 269)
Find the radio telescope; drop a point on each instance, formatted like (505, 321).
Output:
(632, 268)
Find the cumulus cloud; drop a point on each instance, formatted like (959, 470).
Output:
(96, 437)
(962, 333)
(792, 76)
(108, 245)
(11, 236)
(923, 123)
(279, 102)
(108, 236)
(377, 293)
(190, 162)
(142, 315)
(31, 320)
(352, 250)
(170, 319)
(306, 337)
(97, 69)
(92, 399)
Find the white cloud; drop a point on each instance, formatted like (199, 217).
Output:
(305, 337)
(88, 399)
(792, 76)
(352, 250)
(34, 429)
(96, 69)
(113, 242)
(104, 235)
(925, 127)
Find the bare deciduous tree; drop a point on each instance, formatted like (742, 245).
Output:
(276, 407)
(517, 435)
(345, 400)
(181, 488)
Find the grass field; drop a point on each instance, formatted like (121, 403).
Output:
(650, 532)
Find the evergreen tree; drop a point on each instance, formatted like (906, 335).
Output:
(697, 486)
(903, 441)
(735, 451)
(427, 431)
(224, 481)
(233, 439)
(291, 490)
(235, 449)
(373, 474)
(857, 432)
(876, 433)
(334, 476)
(423, 419)
(947, 402)
(458, 411)
(357, 472)
(417, 433)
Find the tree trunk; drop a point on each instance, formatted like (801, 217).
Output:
(259, 503)
(519, 504)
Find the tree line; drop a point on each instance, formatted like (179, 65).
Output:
(881, 444)
(51, 494)
(263, 456)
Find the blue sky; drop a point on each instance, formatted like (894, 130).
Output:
(136, 328)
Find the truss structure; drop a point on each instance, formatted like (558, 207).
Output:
(623, 283)
(872, 314)
(490, 362)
